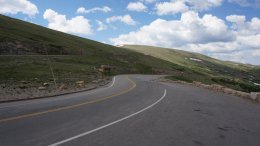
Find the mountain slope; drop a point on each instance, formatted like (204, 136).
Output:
(28, 52)
(206, 69)
(21, 38)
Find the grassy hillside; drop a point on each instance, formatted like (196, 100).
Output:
(24, 48)
(198, 67)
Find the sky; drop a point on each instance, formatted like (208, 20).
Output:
(223, 29)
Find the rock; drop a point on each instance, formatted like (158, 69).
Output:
(255, 96)
(198, 84)
(80, 83)
(46, 84)
(62, 87)
(258, 99)
(22, 87)
(3, 86)
(243, 94)
(24, 82)
(205, 86)
(97, 81)
(229, 91)
(217, 87)
(42, 88)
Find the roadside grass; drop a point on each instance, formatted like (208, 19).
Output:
(36, 69)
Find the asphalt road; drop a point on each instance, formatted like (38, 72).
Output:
(133, 110)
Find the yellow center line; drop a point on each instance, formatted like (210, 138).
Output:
(70, 106)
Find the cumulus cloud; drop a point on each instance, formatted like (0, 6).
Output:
(243, 56)
(243, 27)
(207, 34)
(250, 41)
(18, 6)
(240, 2)
(200, 5)
(101, 26)
(212, 47)
(189, 29)
(75, 25)
(237, 20)
(256, 53)
(247, 3)
(82, 10)
(173, 7)
(239, 56)
(127, 19)
(148, 1)
(247, 32)
(180, 6)
(136, 6)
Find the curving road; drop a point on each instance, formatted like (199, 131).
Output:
(132, 110)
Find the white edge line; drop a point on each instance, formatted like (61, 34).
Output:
(113, 82)
(109, 124)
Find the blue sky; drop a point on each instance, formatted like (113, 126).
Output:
(223, 29)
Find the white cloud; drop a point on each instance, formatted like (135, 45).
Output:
(248, 33)
(81, 10)
(212, 47)
(237, 20)
(189, 29)
(239, 56)
(250, 41)
(104, 9)
(75, 25)
(240, 2)
(127, 19)
(101, 26)
(247, 3)
(136, 6)
(18, 6)
(243, 56)
(180, 6)
(174, 7)
(206, 34)
(256, 53)
(148, 1)
(200, 5)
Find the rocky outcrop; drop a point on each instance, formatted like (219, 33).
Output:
(255, 96)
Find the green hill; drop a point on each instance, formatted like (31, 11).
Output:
(198, 67)
(24, 48)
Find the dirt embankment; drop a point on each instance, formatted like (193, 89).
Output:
(28, 90)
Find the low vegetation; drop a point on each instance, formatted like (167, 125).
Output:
(197, 67)
(28, 52)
